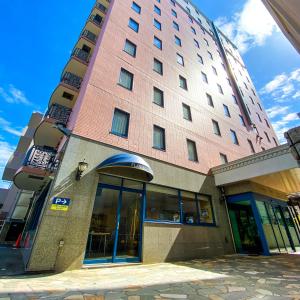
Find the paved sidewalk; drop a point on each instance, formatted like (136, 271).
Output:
(230, 277)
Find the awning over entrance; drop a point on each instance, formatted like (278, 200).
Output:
(127, 165)
(275, 168)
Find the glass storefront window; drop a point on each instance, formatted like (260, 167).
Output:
(206, 212)
(162, 204)
(189, 207)
(110, 180)
(132, 184)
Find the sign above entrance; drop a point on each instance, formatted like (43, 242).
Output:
(61, 204)
(127, 165)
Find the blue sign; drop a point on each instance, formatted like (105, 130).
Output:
(60, 203)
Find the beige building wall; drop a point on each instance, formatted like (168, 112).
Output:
(72, 227)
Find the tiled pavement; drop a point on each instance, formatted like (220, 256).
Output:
(230, 277)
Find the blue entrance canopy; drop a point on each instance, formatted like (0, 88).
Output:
(127, 165)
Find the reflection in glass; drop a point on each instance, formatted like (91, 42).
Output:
(103, 225)
(189, 207)
(162, 204)
(206, 213)
(291, 227)
(129, 227)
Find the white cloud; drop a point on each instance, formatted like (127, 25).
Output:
(7, 127)
(14, 95)
(6, 150)
(249, 27)
(276, 111)
(283, 86)
(290, 117)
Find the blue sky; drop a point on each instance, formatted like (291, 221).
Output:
(38, 37)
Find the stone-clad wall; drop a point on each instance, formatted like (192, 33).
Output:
(72, 226)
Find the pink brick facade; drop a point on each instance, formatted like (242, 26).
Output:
(101, 94)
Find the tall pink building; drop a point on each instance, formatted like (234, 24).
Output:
(155, 147)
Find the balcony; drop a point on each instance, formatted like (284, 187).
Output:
(89, 36)
(39, 164)
(101, 7)
(71, 80)
(81, 55)
(46, 133)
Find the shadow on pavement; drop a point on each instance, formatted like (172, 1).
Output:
(11, 262)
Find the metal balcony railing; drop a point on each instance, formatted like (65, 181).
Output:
(101, 7)
(60, 113)
(81, 55)
(71, 79)
(41, 158)
(89, 35)
(96, 19)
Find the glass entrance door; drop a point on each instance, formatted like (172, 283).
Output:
(115, 230)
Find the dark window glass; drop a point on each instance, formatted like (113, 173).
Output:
(159, 138)
(223, 158)
(267, 136)
(209, 100)
(180, 59)
(130, 48)
(157, 10)
(157, 43)
(186, 112)
(182, 82)
(68, 96)
(189, 208)
(136, 7)
(133, 25)
(196, 44)
(176, 26)
(251, 146)
(157, 24)
(192, 150)
(234, 137)
(158, 96)
(210, 55)
(177, 41)
(220, 89)
(242, 120)
(204, 77)
(174, 13)
(120, 123)
(226, 110)
(216, 128)
(158, 66)
(234, 99)
(193, 30)
(126, 79)
(200, 59)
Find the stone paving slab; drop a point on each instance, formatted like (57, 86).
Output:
(231, 277)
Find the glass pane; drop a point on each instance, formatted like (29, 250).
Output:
(103, 225)
(206, 213)
(189, 207)
(291, 227)
(162, 204)
(129, 228)
(282, 227)
(132, 184)
(110, 180)
(268, 227)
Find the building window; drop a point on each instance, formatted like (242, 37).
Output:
(267, 123)
(216, 128)
(253, 92)
(189, 11)
(210, 55)
(267, 136)
(186, 112)
(220, 89)
(229, 82)
(248, 109)
(126, 79)
(136, 7)
(246, 86)
(177, 41)
(223, 158)
(251, 146)
(180, 59)
(189, 207)
(173, 2)
(175, 25)
(68, 96)
(196, 44)
(259, 118)
(206, 211)
(130, 48)
(192, 150)
(157, 10)
(259, 106)
(133, 25)
(204, 77)
(206, 42)
(174, 13)
(157, 66)
(157, 43)
(157, 24)
(209, 100)
(120, 123)
(158, 96)
(234, 137)
(182, 82)
(214, 70)
(275, 142)
(159, 138)
(162, 204)
(200, 59)
(251, 99)
(242, 120)
(234, 99)
(226, 110)
(193, 30)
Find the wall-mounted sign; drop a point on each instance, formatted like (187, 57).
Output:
(60, 204)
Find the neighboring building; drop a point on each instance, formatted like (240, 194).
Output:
(16, 201)
(286, 14)
(153, 99)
